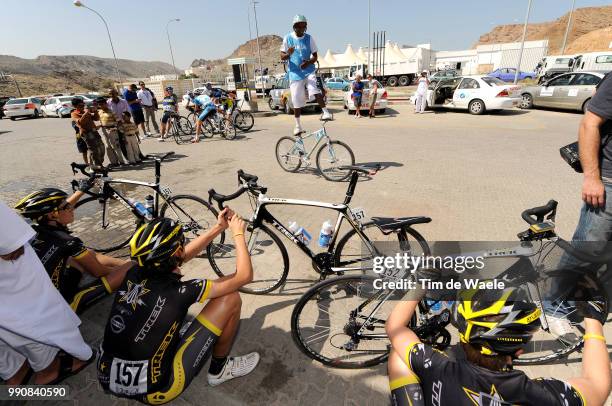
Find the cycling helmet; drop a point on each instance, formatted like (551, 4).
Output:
(41, 202)
(169, 89)
(298, 18)
(500, 321)
(196, 93)
(154, 245)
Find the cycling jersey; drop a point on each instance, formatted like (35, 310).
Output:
(458, 382)
(169, 103)
(144, 356)
(202, 100)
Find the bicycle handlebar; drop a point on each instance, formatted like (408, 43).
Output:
(81, 168)
(248, 178)
(540, 212)
(247, 182)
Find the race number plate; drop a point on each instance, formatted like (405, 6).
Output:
(359, 214)
(165, 191)
(129, 377)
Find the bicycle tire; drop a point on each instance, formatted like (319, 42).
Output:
(333, 149)
(228, 130)
(178, 208)
(208, 128)
(354, 254)
(119, 230)
(180, 137)
(184, 126)
(192, 117)
(224, 263)
(244, 121)
(358, 284)
(282, 157)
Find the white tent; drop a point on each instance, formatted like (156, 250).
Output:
(391, 55)
(328, 61)
(348, 58)
(362, 55)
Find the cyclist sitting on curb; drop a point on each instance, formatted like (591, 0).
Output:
(63, 255)
(206, 105)
(169, 106)
(300, 50)
(146, 355)
(494, 326)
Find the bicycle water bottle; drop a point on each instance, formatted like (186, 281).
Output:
(149, 203)
(326, 234)
(305, 235)
(140, 208)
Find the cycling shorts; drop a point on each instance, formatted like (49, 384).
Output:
(166, 116)
(208, 109)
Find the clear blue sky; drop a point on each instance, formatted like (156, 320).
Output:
(212, 29)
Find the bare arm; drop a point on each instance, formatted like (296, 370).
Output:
(400, 335)
(196, 246)
(89, 261)
(589, 140)
(74, 198)
(594, 384)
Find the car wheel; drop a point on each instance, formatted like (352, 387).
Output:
(381, 111)
(271, 104)
(403, 81)
(350, 112)
(392, 81)
(585, 105)
(345, 107)
(12, 118)
(527, 101)
(35, 113)
(476, 107)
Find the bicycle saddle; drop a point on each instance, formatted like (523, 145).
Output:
(389, 224)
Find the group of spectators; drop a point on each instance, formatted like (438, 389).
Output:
(357, 88)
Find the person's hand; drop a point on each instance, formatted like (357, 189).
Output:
(591, 299)
(237, 224)
(593, 192)
(290, 51)
(83, 185)
(305, 64)
(224, 216)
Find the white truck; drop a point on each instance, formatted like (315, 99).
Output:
(593, 62)
(553, 65)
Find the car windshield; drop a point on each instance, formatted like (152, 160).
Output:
(64, 99)
(491, 81)
(17, 101)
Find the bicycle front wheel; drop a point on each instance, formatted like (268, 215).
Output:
(340, 322)
(184, 126)
(194, 214)
(331, 157)
(208, 128)
(268, 257)
(181, 136)
(288, 154)
(244, 121)
(228, 129)
(119, 225)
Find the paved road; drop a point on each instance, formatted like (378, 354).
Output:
(472, 175)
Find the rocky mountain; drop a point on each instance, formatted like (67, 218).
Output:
(590, 31)
(91, 65)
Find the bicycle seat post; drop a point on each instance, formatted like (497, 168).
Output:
(157, 171)
(351, 188)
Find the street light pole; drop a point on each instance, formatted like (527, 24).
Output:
(170, 45)
(567, 29)
(258, 49)
(369, 34)
(251, 39)
(518, 67)
(78, 3)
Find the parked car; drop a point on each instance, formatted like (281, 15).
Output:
(382, 99)
(337, 84)
(570, 91)
(508, 74)
(475, 93)
(22, 107)
(280, 98)
(57, 106)
(3, 101)
(443, 74)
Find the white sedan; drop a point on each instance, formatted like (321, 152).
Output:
(381, 99)
(58, 106)
(476, 93)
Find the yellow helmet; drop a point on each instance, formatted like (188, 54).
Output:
(155, 244)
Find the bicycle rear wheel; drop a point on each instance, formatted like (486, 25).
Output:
(208, 128)
(120, 224)
(195, 214)
(331, 157)
(288, 154)
(228, 129)
(244, 120)
(184, 125)
(268, 257)
(180, 136)
(340, 322)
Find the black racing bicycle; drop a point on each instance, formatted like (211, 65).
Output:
(180, 128)
(114, 209)
(340, 322)
(351, 252)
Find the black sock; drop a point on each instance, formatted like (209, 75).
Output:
(216, 365)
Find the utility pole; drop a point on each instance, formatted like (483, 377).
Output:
(369, 34)
(170, 45)
(567, 29)
(518, 67)
(251, 42)
(258, 49)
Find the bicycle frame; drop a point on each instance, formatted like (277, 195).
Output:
(319, 135)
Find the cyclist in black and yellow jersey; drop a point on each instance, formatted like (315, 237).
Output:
(150, 352)
(64, 255)
(494, 326)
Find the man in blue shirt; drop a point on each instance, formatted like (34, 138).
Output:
(131, 96)
(300, 51)
(206, 106)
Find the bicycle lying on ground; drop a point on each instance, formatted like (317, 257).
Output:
(107, 219)
(332, 156)
(180, 129)
(340, 322)
(348, 253)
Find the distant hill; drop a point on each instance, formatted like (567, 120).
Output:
(589, 31)
(105, 67)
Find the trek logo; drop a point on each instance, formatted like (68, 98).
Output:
(436, 393)
(133, 294)
(156, 362)
(52, 250)
(286, 232)
(161, 301)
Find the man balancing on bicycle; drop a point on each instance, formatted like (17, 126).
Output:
(300, 50)
(206, 106)
(493, 325)
(63, 255)
(150, 352)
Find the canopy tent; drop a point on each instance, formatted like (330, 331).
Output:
(362, 55)
(328, 61)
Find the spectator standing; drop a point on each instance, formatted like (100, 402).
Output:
(147, 101)
(130, 132)
(421, 93)
(357, 95)
(118, 106)
(109, 129)
(373, 96)
(133, 101)
(170, 106)
(81, 146)
(84, 119)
